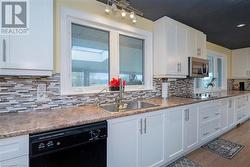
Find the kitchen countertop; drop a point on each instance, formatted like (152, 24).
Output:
(24, 123)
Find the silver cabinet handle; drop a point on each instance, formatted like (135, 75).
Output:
(141, 126)
(145, 125)
(180, 66)
(4, 50)
(205, 134)
(217, 113)
(187, 115)
(206, 117)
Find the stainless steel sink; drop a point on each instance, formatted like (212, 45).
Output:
(128, 106)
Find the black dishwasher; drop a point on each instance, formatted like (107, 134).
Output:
(82, 146)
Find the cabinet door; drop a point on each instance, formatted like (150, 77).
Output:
(124, 139)
(16, 162)
(231, 113)
(171, 48)
(174, 133)
(201, 45)
(224, 115)
(34, 50)
(240, 64)
(153, 139)
(191, 38)
(182, 49)
(190, 127)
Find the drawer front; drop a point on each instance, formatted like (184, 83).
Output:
(216, 126)
(210, 128)
(16, 162)
(241, 102)
(14, 147)
(205, 132)
(210, 114)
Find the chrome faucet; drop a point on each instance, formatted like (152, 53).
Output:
(97, 99)
(119, 100)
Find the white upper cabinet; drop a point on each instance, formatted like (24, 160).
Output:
(241, 63)
(32, 53)
(174, 42)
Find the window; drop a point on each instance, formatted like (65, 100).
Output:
(95, 49)
(217, 75)
(131, 60)
(90, 56)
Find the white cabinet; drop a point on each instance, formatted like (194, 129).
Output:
(182, 49)
(30, 54)
(153, 140)
(201, 51)
(174, 133)
(190, 127)
(174, 42)
(136, 140)
(224, 114)
(124, 140)
(14, 151)
(22, 161)
(241, 63)
(209, 120)
(231, 113)
(241, 108)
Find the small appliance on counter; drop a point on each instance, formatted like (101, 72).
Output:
(164, 93)
(242, 86)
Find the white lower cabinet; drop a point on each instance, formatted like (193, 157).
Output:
(14, 152)
(136, 141)
(241, 108)
(153, 140)
(124, 140)
(190, 127)
(22, 161)
(174, 133)
(231, 113)
(224, 114)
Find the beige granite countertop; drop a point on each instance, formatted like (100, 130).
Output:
(24, 123)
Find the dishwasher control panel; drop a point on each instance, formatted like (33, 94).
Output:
(66, 138)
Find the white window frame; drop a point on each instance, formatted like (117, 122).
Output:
(224, 74)
(69, 16)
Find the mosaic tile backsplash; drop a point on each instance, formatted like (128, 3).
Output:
(20, 93)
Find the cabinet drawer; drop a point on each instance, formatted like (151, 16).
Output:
(209, 114)
(205, 132)
(22, 161)
(14, 147)
(215, 126)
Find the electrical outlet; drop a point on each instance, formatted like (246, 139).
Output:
(41, 92)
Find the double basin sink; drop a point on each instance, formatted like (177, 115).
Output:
(128, 106)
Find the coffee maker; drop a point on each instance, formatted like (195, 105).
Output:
(242, 86)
